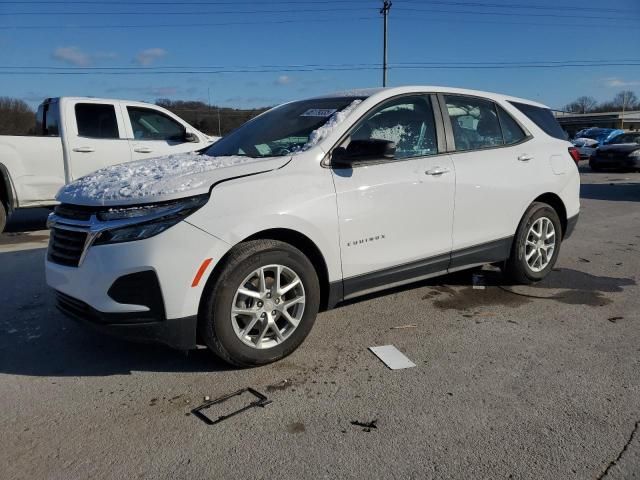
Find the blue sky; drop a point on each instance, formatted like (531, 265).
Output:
(314, 32)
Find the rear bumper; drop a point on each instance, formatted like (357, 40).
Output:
(144, 327)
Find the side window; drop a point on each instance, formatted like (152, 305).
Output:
(511, 131)
(96, 120)
(474, 122)
(150, 124)
(407, 121)
(543, 118)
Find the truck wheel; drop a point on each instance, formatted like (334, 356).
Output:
(262, 305)
(536, 245)
(3, 217)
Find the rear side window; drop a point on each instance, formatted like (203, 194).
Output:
(543, 118)
(511, 131)
(474, 122)
(47, 120)
(149, 124)
(96, 120)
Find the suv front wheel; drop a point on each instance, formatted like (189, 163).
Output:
(262, 305)
(536, 245)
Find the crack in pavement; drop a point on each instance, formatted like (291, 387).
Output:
(624, 449)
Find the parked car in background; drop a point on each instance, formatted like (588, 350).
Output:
(309, 204)
(585, 146)
(77, 135)
(622, 151)
(600, 135)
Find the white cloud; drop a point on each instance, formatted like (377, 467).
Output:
(283, 80)
(72, 55)
(619, 82)
(79, 58)
(149, 56)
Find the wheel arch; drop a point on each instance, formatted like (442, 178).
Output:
(295, 239)
(557, 204)
(7, 192)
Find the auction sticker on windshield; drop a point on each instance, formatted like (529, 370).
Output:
(319, 112)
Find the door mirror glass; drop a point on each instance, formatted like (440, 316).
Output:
(364, 150)
(190, 137)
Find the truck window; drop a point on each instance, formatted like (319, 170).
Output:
(47, 119)
(96, 120)
(148, 124)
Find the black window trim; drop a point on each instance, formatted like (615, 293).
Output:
(451, 146)
(437, 118)
(115, 111)
(127, 107)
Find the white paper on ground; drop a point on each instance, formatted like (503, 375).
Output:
(392, 357)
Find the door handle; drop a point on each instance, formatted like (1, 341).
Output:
(84, 149)
(142, 150)
(525, 158)
(437, 171)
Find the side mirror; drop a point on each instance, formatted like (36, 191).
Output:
(191, 137)
(363, 151)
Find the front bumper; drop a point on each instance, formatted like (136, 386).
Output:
(163, 311)
(179, 333)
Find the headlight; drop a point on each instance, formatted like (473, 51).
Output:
(140, 222)
(635, 153)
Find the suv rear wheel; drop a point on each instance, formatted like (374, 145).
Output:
(262, 305)
(536, 245)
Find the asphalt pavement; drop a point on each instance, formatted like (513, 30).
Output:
(536, 382)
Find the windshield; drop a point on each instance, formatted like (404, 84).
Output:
(283, 130)
(626, 138)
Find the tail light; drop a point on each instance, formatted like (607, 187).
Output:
(575, 154)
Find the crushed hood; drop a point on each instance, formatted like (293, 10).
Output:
(159, 179)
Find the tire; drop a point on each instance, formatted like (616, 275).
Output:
(517, 266)
(222, 330)
(3, 217)
(594, 168)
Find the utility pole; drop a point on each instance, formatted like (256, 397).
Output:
(386, 6)
(624, 107)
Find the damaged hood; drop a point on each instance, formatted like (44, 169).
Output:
(160, 179)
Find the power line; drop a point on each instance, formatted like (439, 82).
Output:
(519, 14)
(200, 13)
(319, 69)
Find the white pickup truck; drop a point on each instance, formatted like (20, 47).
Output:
(76, 136)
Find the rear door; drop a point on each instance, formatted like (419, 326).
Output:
(496, 165)
(154, 133)
(395, 215)
(96, 138)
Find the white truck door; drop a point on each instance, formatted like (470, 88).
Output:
(155, 133)
(396, 215)
(96, 138)
(496, 176)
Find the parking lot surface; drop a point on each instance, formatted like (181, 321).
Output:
(528, 382)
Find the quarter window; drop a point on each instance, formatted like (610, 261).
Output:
(474, 122)
(511, 131)
(149, 124)
(407, 121)
(96, 120)
(543, 118)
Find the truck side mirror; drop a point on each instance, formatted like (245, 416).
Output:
(191, 137)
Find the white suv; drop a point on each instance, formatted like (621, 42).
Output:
(309, 204)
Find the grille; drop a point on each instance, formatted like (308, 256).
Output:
(66, 246)
(74, 212)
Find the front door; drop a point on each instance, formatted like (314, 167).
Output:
(155, 134)
(396, 215)
(96, 140)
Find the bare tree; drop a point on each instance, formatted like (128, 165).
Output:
(16, 117)
(582, 104)
(625, 100)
